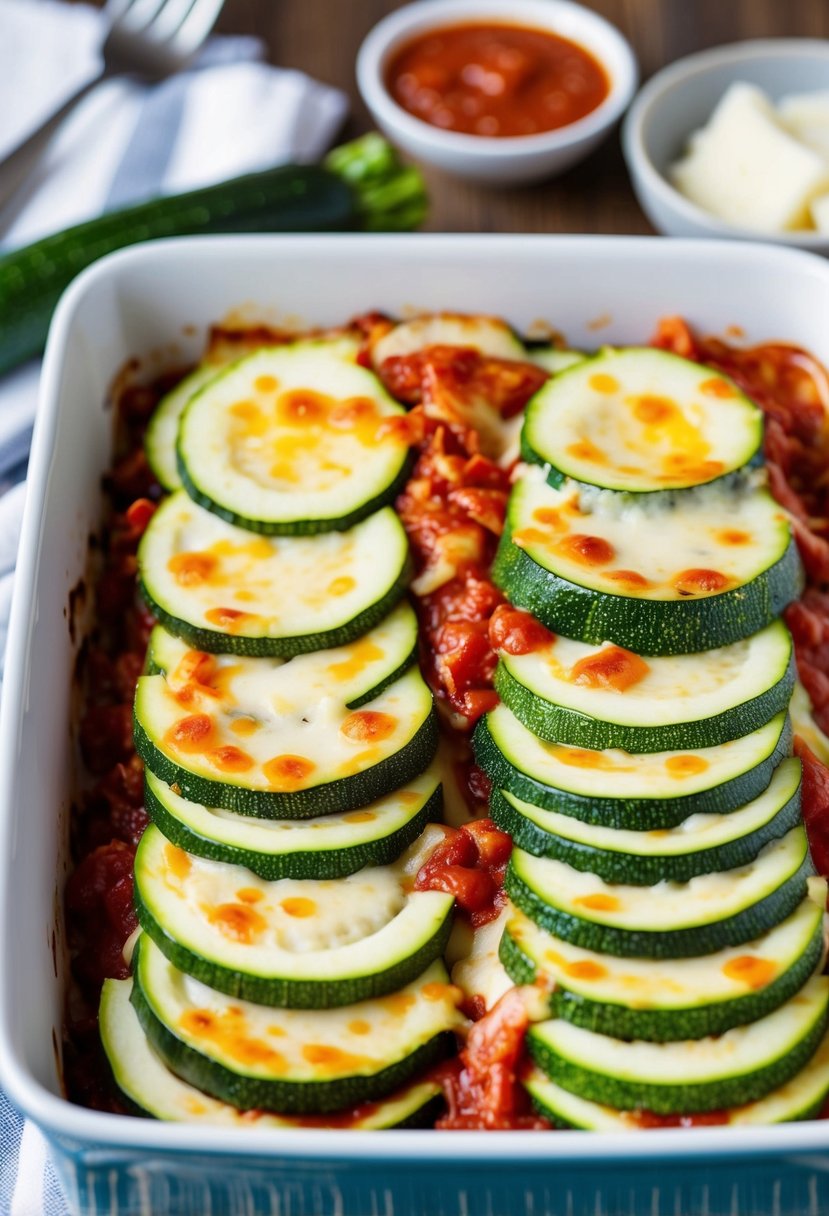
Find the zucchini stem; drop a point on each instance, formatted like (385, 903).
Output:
(388, 195)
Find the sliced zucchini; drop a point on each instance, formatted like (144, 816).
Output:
(251, 745)
(553, 359)
(636, 791)
(355, 673)
(291, 1060)
(742, 1065)
(300, 943)
(160, 436)
(488, 335)
(659, 1000)
(800, 1098)
(329, 846)
(151, 1089)
(704, 571)
(570, 692)
(700, 844)
(292, 440)
(224, 590)
(668, 920)
(642, 420)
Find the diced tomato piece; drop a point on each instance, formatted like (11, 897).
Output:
(517, 632)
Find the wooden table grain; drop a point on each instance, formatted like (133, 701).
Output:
(321, 37)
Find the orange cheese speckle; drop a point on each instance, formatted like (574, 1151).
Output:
(266, 384)
(239, 922)
(250, 895)
(368, 726)
(686, 765)
(701, 582)
(717, 387)
(178, 863)
(599, 902)
(192, 569)
(611, 668)
(190, 734)
(753, 971)
(341, 585)
(586, 550)
(298, 906)
(600, 382)
(285, 773)
(231, 759)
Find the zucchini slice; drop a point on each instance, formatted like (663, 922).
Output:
(553, 359)
(292, 440)
(636, 791)
(742, 1065)
(225, 590)
(488, 335)
(355, 673)
(160, 436)
(802, 1097)
(570, 692)
(668, 920)
(262, 746)
(659, 1000)
(328, 846)
(704, 571)
(299, 943)
(701, 844)
(298, 1061)
(151, 1089)
(641, 420)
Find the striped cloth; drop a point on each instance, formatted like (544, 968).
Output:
(230, 114)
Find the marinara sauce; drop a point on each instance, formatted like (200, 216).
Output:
(496, 80)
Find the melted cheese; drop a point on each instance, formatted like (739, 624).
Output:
(666, 906)
(641, 419)
(273, 1043)
(679, 550)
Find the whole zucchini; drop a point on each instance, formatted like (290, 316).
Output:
(361, 185)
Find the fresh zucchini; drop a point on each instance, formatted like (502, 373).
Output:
(299, 943)
(570, 692)
(641, 420)
(802, 1097)
(361, 185)
(295, 439)
(225, 590)
(704, 571)
(488, 335)
(149, 1087)
(632, 791)
(329, 846)
(297, 1061)
(701, 844)
(664, 999)
(297, 758)
(740, 1066)
(668, 920)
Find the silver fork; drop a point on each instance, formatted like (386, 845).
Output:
(147, 39)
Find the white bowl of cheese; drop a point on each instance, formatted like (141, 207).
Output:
(730, 142)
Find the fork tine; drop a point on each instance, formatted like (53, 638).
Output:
(196, 26)
(140, 15)
(169, 19)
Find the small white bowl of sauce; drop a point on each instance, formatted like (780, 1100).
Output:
(498, 91)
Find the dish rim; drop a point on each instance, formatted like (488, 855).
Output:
(76, 1125)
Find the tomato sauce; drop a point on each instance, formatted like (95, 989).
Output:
(496, 80)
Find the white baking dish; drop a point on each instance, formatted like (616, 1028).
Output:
(143, 300)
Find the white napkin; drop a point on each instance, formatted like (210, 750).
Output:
(230, 114)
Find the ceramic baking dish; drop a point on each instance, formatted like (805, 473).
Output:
(156, 300)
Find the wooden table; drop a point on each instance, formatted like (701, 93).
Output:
(322, 36)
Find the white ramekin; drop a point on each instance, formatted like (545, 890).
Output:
(512, 159)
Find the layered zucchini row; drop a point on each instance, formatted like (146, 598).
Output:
(661, 885)
(286, 963)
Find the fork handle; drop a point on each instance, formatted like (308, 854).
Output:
(18, 162)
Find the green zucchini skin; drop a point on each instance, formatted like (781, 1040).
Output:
(640, 870)
(283, 991)
(652, 627)
(330, 864)
(345, 794)
(635, 814)
(212, 641)
(362, 185)
(744, 926)
(293, 1098)
(626, 1094)
(665, 1025)
(558, 724)
(299, 527)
